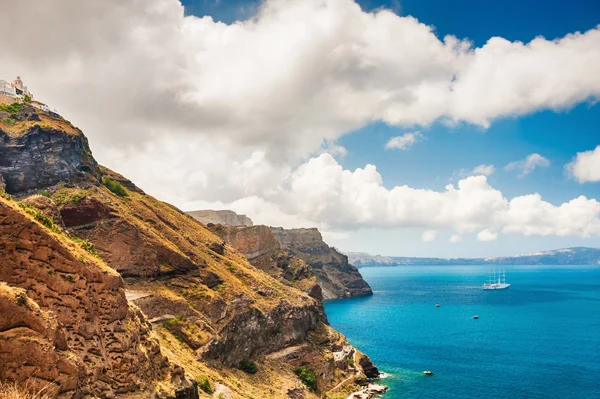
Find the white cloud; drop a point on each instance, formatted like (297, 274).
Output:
(487, 235)
(479, 170)
(429, 235)
(322, 191)
(455, 238)
(586, 166)
(529, 164)
(197, 111)
(403, 142)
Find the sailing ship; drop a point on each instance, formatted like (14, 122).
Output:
(497, 283)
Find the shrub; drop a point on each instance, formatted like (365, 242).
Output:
(45, 193)
(12, 108)
(307, 376)
(85, 245)
(248, 366)
(40, 216)
(204, 384)
(114, 186)
(26, 98)
(350, 362)
(174, 321)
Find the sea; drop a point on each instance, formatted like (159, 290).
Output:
(540, 338)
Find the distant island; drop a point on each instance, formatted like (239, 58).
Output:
(565, 256)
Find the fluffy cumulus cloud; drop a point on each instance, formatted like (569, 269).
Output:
(198, 111)
(529, 164)
(403, 142)
(586, 166)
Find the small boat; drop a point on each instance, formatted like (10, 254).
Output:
(475, 317)
(427, 372)
(437, 305)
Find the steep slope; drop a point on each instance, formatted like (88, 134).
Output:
(298, 256)
(65, 323)
(212, 310)
(337, 277)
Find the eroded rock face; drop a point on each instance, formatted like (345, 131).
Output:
(86, 211)
(284, 326)
(42, 155)
(337, 278)
(224, 217)
(87, 314)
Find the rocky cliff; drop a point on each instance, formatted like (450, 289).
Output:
(337, 277)
(224, 217)
(214, 313)
(299, 256)
(41, 149)
(65, 324)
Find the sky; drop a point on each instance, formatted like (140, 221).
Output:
(406, 128)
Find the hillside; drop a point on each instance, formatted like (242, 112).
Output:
(565, 256)
(296, 256)
(198, 312)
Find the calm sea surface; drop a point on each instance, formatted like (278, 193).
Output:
(538, 339)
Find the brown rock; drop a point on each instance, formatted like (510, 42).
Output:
(111, 345)
(46, 206)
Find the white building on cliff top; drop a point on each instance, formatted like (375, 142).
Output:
(16, 91)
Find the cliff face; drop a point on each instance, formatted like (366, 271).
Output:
(38, 150)
(210, 309)
(337, 278)
(65, 323)
(299, 256)
(224, 217)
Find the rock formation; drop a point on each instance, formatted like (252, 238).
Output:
(299, 256)
(65, 323)
(224, 217)
(64, 252)
(38, 150)
(337, 278)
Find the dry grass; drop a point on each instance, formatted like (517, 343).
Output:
(15, 391)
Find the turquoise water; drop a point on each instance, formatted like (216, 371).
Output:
(538, 339)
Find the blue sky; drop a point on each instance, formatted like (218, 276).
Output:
(445, 149)
(283, 110)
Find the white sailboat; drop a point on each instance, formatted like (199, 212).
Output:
(497, 283)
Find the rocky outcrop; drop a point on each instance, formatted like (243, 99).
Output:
(264, 251)
(225, 217)
(337, 278)
(34, 156)
(298, 256)
(73, 309)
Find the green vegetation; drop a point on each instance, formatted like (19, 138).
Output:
(114, 186)
(65, 195)
(85, 245)
(350, 362)
(174, 321)
(307, 376)
(248, 366)
(26, 98)
(204, 384)
(40, 216)
(45, 193)
(12, 108)
(8, 121)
